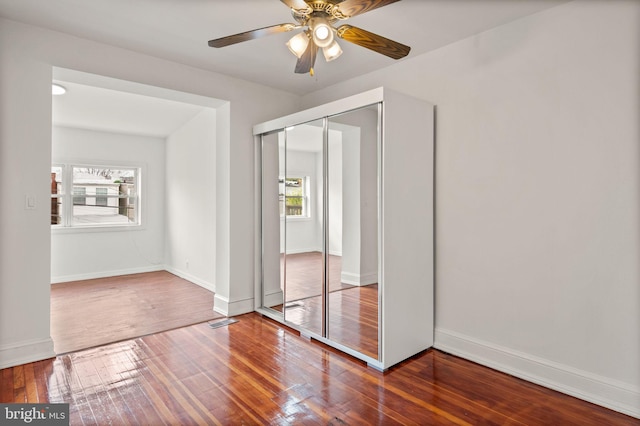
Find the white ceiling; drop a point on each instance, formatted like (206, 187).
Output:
(108, 110)
(178, 30)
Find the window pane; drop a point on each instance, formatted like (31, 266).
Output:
(56, 189)
(104, 196)
(101, 197)
(295, 197)
(79, 196)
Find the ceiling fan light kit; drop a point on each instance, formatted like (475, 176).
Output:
(319, 17)
(298, 44)
(331, 52)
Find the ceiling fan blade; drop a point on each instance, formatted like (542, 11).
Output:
(308, 59)
(296, 4)
(357, 7)
(251, 35)
(372, 41)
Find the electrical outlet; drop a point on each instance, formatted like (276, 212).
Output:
(29, 202)
(187, 263)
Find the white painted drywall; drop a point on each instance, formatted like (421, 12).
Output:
(303, 234)
(190, 183)
(78, 254)
(538, 195)
(27, 55)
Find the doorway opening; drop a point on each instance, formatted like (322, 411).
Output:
(133, 209)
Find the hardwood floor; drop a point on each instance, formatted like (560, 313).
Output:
(304, 275)
(94, 312)
(258, 372)
(353, 317)
(352, 311)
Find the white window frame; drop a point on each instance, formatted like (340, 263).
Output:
(306, 197)
(66, 194)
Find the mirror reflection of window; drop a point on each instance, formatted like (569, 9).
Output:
(294, 196)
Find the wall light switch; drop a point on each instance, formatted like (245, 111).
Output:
(30, 202)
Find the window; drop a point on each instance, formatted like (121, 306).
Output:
(79, 196)
(294, 198)
(98, 195)
(102, 198)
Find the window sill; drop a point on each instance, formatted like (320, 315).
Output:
(296, 219)
(95, 228)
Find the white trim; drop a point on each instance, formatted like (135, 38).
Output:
(600, 390)
(191, 278)
(304, 250)
(273, 299)
(105, 274)
(26, 351)
(332, 108)
(223, 306)
(359, 279)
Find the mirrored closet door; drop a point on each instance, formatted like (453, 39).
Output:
(319, 227)
(344, 220)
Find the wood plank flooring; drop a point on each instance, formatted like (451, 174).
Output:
(94, 312)
(258, 372)
(353, 317)
(304, 275)
(352, 312)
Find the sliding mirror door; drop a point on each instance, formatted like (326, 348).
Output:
(273, 230)
(353, 229)
(320, 226)
(302, 186)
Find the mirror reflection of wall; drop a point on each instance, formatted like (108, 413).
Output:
(353, 227)
(327, 219)
(272, 259)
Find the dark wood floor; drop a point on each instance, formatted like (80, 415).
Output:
(94, 312)
(258, 372)
(352, 310)
(353, 317)
(304, 275)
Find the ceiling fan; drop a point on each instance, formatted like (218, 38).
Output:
(318, 16)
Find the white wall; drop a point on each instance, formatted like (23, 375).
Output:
(190, 184)
(303, 234)
(538, 195)
(93, 253)
(27, 55)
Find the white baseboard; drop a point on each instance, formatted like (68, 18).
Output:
(26, 351)
(104, 274)
(274, 299)
(359, 279)
(603, 391)
(230, 309)
(303, 250)
(182, 274)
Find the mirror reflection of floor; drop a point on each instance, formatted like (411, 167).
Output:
(353, 310)
(304, 275)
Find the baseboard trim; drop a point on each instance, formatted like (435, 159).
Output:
(191, 278)
(26, 351)
(274, 299)
(603, 391)
(304, 250)
(223, 306)
(105, 274)
(359, 279)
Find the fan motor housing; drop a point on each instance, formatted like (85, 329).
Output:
(329, 11)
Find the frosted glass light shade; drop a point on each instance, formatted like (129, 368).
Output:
(298, 44)
(331, 52)
(322, 34)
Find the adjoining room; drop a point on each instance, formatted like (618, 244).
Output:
(132, 209)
